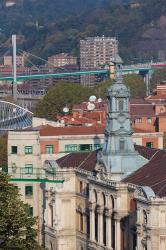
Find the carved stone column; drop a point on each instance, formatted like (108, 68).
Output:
(108, 214)
(139, 238)
(100, 225)
(92, 221)
(117, 234)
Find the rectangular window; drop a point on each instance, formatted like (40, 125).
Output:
(97, 146)
(28, 190)
(121, 104)
(49, 149)
(85, 147)
(138, 120)
(30, 211)
(70, 147)
(14, 149)
(149, 144)
(28, 169)
(121, 145)
(149, 120)
(28, 150)
(51, 215)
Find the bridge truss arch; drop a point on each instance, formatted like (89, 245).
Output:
(13, 116)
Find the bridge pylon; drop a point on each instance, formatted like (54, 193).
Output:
(14, 68)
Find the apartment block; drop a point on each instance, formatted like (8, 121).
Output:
(61, 60)
(20, 61)
(94, 53)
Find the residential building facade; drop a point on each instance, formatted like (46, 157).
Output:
(61, 60)
(20, 61)
(95, 52)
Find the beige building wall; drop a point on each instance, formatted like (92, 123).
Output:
(67, 206)
(16, 168)
(60, 229)
(64, 140)
(8, 61)
(151, 223)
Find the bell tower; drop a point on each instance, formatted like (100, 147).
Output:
(118, 155)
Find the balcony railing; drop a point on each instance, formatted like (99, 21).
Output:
(33, 174)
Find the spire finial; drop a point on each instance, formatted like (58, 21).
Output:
(117, 61)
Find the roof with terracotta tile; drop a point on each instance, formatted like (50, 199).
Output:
(138, 101)
(152, 174)
(85, 161)
(142, 110)
(98, 106)
(48, 130)
(157, 97)
(162, 114)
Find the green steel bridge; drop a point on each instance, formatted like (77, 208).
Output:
(129, 69)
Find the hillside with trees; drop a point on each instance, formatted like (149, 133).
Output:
(49, 27)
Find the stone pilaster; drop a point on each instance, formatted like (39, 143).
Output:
(100, 225)
(92, 221)
(117, 234)
(108, 214)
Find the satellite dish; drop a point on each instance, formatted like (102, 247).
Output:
(92, 98)
(91, 106)
(99, 100)
(65, 109)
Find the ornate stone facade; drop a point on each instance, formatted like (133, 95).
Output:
(92, 212)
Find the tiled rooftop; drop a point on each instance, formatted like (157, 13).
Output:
(82, 130)
(152, 174)
(142, 110)
(85, 161)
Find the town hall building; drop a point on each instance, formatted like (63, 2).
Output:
(111, 198)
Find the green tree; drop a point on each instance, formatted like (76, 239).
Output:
(16, 225)
(136, 85)
(59, 96)
(158, 77)
(101, 89)
(134, 82)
